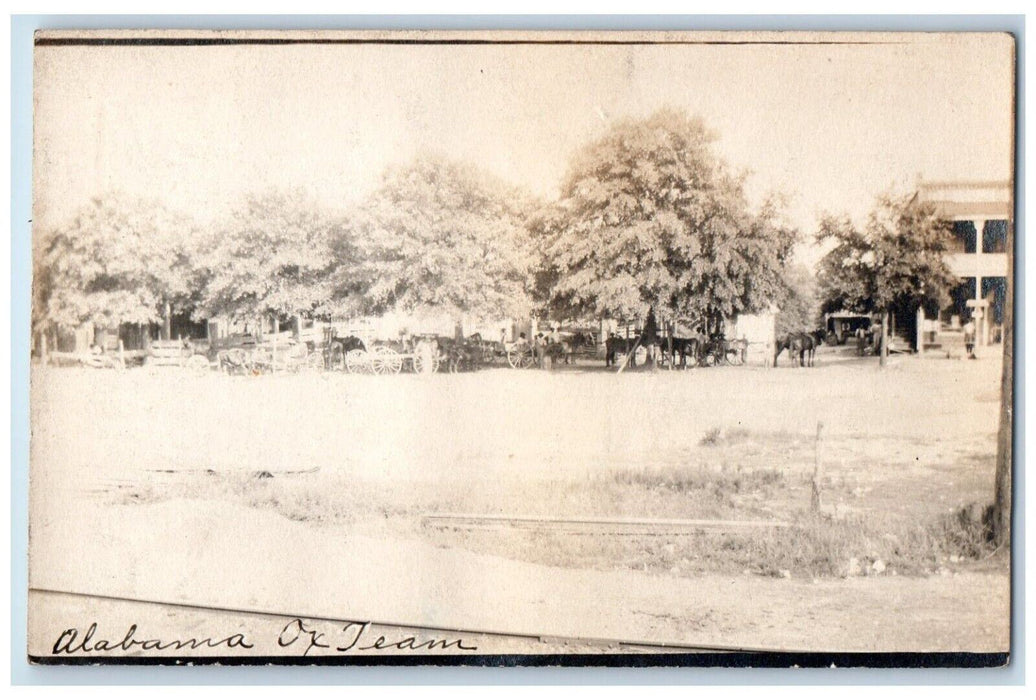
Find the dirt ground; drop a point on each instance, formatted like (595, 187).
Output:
(126, 462)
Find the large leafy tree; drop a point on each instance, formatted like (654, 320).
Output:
(798, 303)
(897, 261)
(120, 260)
(271, 257)
(441, 236)
(649, 217)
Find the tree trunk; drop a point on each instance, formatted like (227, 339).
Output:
(884, 338)
(919, 331)
(1005, 433)
(669, 348)
(167, 322)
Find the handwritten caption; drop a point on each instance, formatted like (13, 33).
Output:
(298, 636)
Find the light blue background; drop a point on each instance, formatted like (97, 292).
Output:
(22, 28)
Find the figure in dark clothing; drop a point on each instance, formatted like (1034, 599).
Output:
(650, 334)
(649, 337)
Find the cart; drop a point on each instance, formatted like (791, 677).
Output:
(420, 355)
(520, 355)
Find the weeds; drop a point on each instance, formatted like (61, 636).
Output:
(711, 438)
(721, 483)
(874, 542)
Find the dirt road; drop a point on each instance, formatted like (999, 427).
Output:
(909, 442)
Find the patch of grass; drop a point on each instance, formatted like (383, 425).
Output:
(721, 483)
(861, 543)
(711, 437)
(815, 548)
(731, 437)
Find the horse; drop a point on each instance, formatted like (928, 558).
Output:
(340, 347)
(685, 348)
(573, 342)
(460, 355)
(803, 344)
(488, 349)
(792, 342)
(615, 345)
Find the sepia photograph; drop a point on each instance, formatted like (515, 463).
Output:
(554, 347)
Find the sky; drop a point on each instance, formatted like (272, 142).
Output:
(828, 126)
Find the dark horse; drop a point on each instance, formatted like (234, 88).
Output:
(340, 347)
(802, 344)
(615, 345)
(460, 355)
(685, 348)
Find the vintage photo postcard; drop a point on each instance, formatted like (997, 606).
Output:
(433, 347)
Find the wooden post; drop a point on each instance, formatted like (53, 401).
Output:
(122, 353)
(818, 469)
(43, 347)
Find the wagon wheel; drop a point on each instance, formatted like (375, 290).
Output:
(197, 363)
(709, 360)
(314, 361)
(514, 357)
(732, 356)
(521, 358)
(385, 360)
(691, 359)
(426, 362)
(357, 361)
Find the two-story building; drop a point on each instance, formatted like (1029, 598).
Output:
(981, 212)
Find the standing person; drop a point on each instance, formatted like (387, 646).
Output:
(861, 341)
(649, 337)
(555, 348)
(969, 338)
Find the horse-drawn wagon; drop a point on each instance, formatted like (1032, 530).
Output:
(420, 354)
(244, 354)
(721, 350)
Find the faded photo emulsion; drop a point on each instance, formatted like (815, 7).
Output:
(354, 346)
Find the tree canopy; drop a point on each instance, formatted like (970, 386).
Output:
(272, 256)
(121, 260)
(440, 235)
(650, 217)
(897, 260)
(798, 303)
